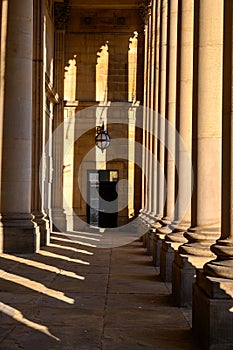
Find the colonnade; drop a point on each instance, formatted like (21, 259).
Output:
(189, 230)
(187, 215)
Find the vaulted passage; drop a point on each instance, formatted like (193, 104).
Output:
(116, 173)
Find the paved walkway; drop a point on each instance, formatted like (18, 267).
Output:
(74, 296)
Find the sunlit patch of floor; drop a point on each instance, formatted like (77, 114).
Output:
(76, 250)
(73, 241)
(43, 266)
(81, 235)
(18, 316)
(61, 257)
(36, 286)
(87, 233)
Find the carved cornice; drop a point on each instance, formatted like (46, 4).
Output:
(61, 14)
(145, 10)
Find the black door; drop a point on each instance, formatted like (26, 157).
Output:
(102, 210)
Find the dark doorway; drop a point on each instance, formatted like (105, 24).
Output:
(102, 207)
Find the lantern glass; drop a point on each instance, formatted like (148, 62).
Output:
(102, 140)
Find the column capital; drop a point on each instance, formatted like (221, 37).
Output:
(145, 10)
(61, 15)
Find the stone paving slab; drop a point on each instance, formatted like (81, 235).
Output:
(135, 318)
(61, 337)
(121, 283)
(138, 301)
(147, 338)
(120, 304)
(93, 283)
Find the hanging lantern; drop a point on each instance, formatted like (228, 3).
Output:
(102, 139)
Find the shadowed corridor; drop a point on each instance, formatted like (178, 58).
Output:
(74, 296)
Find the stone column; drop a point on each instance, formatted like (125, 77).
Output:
(19, 233)
(144, 12)
(163, 102)
(184, 126)
(57, 211)
(150, 110)
(155, 193)
(171, 116)
(206, 200)
(162, 111)
(157, 62)
(148, 116)
(3, 32)
(147, 128)
(167, 253)
(152, 117)
(144, 125)
(144, 136)
(213, 290)
(38, 110)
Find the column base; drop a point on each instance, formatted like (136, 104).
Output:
(149, 242)
(151, 219)
(157, 244)
(165, 221)
(20, 235)
(183, 277)
(164, 230)
(213, 312)
(69, 220)
(166, 260)
(156, 225)
(141, 228)
(42, 222)
(177, 236)
(144, 232)
(58, 220)
(165, 227)
(144, 239)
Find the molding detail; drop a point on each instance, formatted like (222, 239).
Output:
(144, 10)
(61, 15)
(49, 6)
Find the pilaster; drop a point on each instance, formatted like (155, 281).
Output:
(61, 14)
(40, 217)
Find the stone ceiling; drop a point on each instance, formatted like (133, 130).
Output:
(106, 4)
